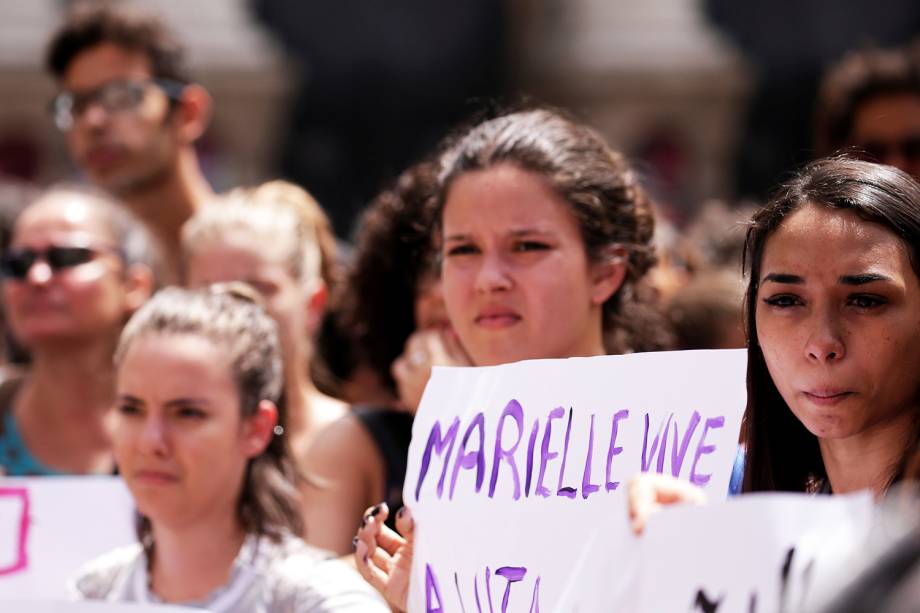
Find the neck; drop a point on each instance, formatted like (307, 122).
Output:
(167, 205)
(77, 375)
(298, 391)
(62, 406)
(869, 459)
(191, 561)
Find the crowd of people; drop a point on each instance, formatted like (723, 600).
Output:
(255, 388)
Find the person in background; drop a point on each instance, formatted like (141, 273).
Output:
(832, 317)
(391, 315)
(14, 197)
(131, 114)
(545, 239)
(273, 238)
(78, 265)
(198, 434)
(707, 310)
(870, 102)
(706, 313)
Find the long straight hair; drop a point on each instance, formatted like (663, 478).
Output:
(781, 454)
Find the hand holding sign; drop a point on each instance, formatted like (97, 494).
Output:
(383, 557)
(517, 474)
(649, 492)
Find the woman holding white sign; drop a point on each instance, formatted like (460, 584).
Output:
(545, 238)
(200, 443)
(833, 328)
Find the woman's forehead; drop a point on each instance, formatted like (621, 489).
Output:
(62, 214)
(833, 239)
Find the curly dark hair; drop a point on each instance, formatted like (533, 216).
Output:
(603, 193)
(92, 23)
(374, 313)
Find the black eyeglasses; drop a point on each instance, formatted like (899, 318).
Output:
(879, 151)
(120, 95)
(17, 263)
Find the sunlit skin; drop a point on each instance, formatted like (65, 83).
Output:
(238, 257)
(72, 304)
(182, 446)
(121, 151)
(70, 320)
(838, 320)
(889, 119)
(296, 306)
(516, 278)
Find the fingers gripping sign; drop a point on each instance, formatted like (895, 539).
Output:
(384, 557)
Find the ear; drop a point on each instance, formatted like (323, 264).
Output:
(139, 281)
(193, 113)
(259, 428)
(608, 274)
(317, 299)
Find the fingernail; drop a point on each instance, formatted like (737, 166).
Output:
(375, 510)
(354, 543)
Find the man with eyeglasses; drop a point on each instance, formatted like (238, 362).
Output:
(130, 114)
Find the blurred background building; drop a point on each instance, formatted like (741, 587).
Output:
(710, 98)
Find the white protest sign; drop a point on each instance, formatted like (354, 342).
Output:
(758, 553)
(39, 606)
(516, 473)
(51, 526)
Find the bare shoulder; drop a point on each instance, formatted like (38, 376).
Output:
(343, 445)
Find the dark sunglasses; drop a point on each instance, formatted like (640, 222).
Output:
(17, 263)
(878, 151)
(120, 95)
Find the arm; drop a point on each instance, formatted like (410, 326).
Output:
(347, 474)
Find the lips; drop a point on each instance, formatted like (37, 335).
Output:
(155, 477)
(827, 396)
(496, 318)
(104, 155)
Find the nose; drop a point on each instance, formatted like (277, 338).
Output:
(825, 343)
(493, 274)
(40, 273)
(94, 115)
(154, 439)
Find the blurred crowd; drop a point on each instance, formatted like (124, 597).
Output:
(253, 379)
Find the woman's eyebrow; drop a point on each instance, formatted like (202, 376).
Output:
(183, 402)
(782, 277)
(863, 279)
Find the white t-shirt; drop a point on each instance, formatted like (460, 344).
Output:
(266, 577)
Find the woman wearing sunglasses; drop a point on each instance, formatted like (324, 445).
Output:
(78, 266)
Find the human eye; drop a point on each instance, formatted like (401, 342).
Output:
(128, 408)
(866, 301)
(530, 245)
(783, 301)
(459, 249)
(189, 411)
(266, 288)
(121, 95)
